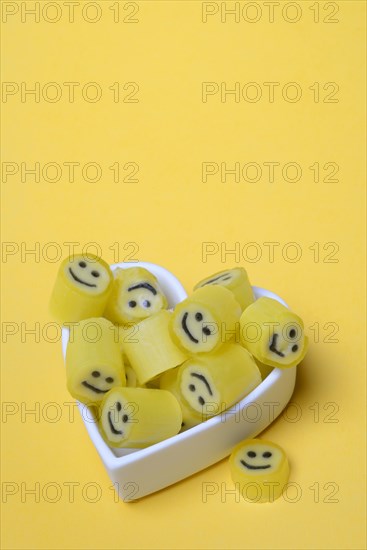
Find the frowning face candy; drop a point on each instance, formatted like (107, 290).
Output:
(136, 295)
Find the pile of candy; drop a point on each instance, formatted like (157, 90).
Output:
(153, 372)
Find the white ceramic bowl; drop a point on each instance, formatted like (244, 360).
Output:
(139, 472)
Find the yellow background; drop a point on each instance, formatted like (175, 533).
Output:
(169, 213)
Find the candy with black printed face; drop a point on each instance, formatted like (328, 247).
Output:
(205, 320)
(138, 417)
(94, 362)
(273, 334)
(136, 295)
(81, 289)
(236, 280)
(260, 470)
(208, 384)
(151, 351)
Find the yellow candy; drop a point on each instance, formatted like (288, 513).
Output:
(260, 470)
(82, 288)
(94, 362)
(168, 381)
(273, 334)
(208, 384)
(236, 280)
(138, 417)
(205, 320)
(150, 351)
(136, 295)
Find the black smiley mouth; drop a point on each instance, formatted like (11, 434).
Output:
(255, 467)
(79, 280)
(273, 344)
(93, 388)
(113, 429)
(186, 330)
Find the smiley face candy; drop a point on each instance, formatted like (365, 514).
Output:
(168, 381)
(236, 280)
(94, 362)
(205, 320)
(209, 384)
(82, 288)
(138, 417)
(136, 295)
(260, 469)
(273, 334)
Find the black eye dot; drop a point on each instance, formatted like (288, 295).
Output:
(292, 333)
(192, 387)
(201, 400)
(132, 303)
(295, 348)
(207, 331)
(109, 379)
(146, 303)
(118, 406)
(267, 454)
(82, 264)
(95, 273)
(125, 418)
(96, 373)
(251, 454)
(199, 316)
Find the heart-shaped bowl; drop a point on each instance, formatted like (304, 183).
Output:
(139, 472)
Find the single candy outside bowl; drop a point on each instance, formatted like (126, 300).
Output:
(139, 472)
